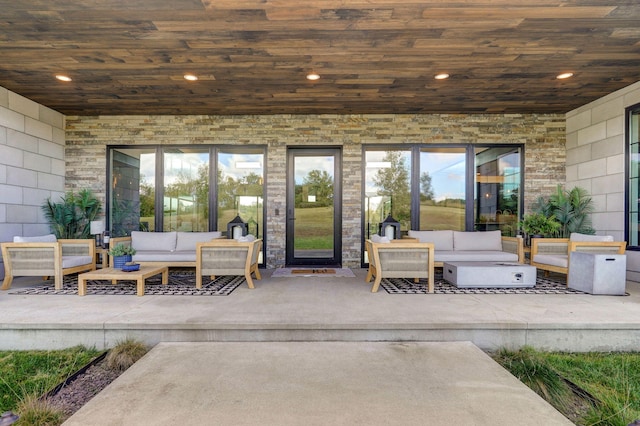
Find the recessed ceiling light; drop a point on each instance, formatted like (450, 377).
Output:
(441, 76)
(313, 76)
(62, 77)
(190, 77)
(564, 75)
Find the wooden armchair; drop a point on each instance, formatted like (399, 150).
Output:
(554, 254)
(403, 260)
(228, 257)
(47, 259)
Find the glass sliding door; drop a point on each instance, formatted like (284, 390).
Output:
(240, 188)
(442, 185)
(186, 189)
(387, 188)
(497, 199)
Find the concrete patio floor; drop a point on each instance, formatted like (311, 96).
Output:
(324, 309)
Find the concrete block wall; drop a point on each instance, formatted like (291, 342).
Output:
(32, 164)
(596, 156)
(596, 162)
(543, 137)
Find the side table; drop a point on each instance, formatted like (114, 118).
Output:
(598, 273)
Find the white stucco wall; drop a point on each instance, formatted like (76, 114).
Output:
(32, 164)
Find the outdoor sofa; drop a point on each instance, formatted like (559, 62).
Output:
(554, 254)
(47, 256)
(461, 246)
(173, 248)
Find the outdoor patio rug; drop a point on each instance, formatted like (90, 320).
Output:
(313, 272)
(179, 285)
(407, 286)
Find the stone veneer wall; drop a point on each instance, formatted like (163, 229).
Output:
(32, 166)
(596, 161)
(543, 136)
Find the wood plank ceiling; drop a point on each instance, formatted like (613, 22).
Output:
(373, 56)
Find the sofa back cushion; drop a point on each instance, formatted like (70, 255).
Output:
(488, 240)
(590, 238)
(153, 240)
(49, 238)
(186, 241)
(442, 240)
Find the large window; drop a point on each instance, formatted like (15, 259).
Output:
(387, 189)
(633, 174)
(465, 187)
(185, 188)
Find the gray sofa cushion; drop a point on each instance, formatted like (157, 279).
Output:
(143, 241)
(49, 238)
(164, 256)
(472, 241)
(442, 240)
(187, 240)
(590, 238)
(73, 261)
(561, 260)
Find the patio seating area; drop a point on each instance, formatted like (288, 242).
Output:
(323, 309)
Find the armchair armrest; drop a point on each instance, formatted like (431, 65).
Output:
(514, 245)
(617, 247)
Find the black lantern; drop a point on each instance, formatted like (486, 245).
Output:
(390, 228)
(237, 228)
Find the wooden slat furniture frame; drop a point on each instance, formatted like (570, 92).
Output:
(413, 263)
(228, 257)
(564, 246)
(45, 259)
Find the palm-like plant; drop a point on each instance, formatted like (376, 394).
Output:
(71, 217)
(572, 208)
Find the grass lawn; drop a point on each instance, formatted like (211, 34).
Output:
(611, 382)
(25, 373)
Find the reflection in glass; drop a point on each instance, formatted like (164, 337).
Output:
(497, 195)
(314, 206)
(442, 188)
(387, 189)
(240, 189)
(132, 192)
(186, 190)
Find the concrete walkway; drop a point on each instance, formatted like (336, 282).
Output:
(324, 309)
(317, 383)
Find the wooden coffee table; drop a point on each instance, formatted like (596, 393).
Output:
(119, 275)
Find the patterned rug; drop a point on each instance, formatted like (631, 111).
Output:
(179, 285)
(313, 272)
(407, 286)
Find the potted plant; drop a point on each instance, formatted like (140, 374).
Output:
(571, 208)
(537, 225)
(72, 215)
(121, 254)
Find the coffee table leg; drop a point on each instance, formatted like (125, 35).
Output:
(82, 286)
(140, 282)
(165, 276)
